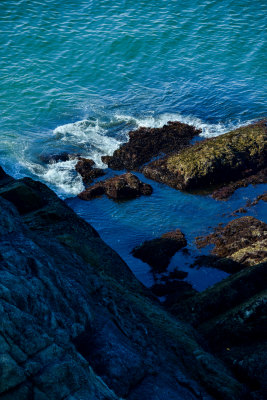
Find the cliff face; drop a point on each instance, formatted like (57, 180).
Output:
(76, 324)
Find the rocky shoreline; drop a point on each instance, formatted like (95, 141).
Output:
(76, 323)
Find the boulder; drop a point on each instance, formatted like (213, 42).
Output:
(236, 155)
(146, 143)
(85, 168)
(122, 187)
(158, 252)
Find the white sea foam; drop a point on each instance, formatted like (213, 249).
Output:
(90, 136)
(208, 129)
(61, 176)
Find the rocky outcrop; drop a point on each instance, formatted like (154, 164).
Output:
(146, 143)
(122, 187)
(243, 240)
(240, 154)
(76, 324)
(158, 252)
(85, 168)
(231, 315)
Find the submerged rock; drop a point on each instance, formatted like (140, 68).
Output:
(50, 158)
(230, 157)
(212, 261)
(158, 252)
(122, 187)
(146, 143)
(243, 240)
(85, 168)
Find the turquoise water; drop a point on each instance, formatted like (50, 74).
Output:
(76, 76)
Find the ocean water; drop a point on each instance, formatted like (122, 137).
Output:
(76, 76)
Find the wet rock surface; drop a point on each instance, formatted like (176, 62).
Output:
(212, 261)
(76, 324)
(237, 158)
(85, 167)
(146, 143)
(243, 240)
(122, 187)
(226, 191)
(231, 316)
(158, 252)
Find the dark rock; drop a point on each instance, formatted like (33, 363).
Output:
(177, 274)
(75, 322)
(243, 240)
(223, 264)
(92, 192)
(240, 154)
(158, 252)
(254, 179)
(22, 196)
(146, 143)
(262, 197)
(85, 168)
(122, 187)
(174, 291)
(4, 178)
(50, 158)
(231, 316)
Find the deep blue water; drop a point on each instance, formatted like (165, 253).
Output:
(77, 76)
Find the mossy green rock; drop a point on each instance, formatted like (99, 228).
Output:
(218, 160)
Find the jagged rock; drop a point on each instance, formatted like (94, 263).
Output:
(230, 157)
(146, 143)
(231, 315)
(122, 187)
(158, 252)
(76, 324)
(243, 240)
(85, 168)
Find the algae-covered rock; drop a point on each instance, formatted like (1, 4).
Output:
(231, 156)
(243, 240)
(122, 187)
(146, 143)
